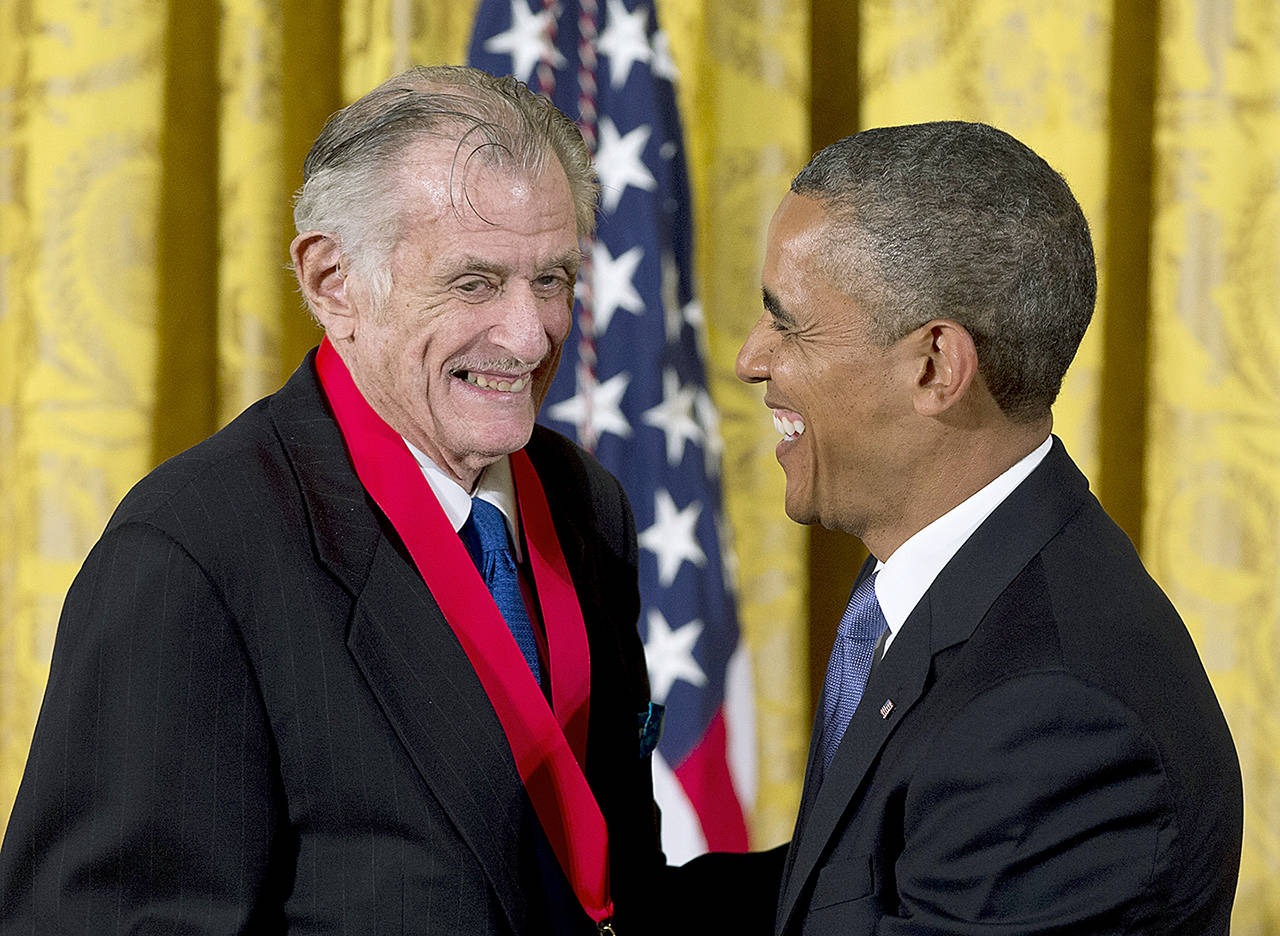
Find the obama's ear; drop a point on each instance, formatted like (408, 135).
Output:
(947, 366)
(323, 273)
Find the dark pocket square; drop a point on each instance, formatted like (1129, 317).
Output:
(650, 721)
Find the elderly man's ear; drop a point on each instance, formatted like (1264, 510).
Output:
(322, 272)
(947, 366)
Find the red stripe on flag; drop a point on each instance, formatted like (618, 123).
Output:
(706, 781)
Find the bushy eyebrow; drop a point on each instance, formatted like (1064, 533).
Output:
(569, 261)
(774, 308)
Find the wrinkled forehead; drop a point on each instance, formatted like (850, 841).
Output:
(798, 233)
(468, 177)
(812, 244)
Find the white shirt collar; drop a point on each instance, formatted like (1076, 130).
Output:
(908, 573)
(495, 486)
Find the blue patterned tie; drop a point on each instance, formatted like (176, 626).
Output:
(485, 535)
(860, 627)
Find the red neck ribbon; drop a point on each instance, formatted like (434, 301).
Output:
(549, 746)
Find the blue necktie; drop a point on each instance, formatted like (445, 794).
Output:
(855, 647)
(485, 535)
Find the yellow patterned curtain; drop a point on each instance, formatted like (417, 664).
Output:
(147, 155)
(81, 117)
(1212, 531)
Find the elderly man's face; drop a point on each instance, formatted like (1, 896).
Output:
(461, 354)
(834, 392)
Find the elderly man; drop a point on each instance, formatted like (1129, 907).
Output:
(365, 660)
(1036, 748)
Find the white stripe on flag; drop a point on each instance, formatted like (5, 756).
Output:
(682, 837)
(740, 728)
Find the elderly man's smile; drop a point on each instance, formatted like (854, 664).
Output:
(499, 383)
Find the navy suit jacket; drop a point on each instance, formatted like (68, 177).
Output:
(257, 719)
(1038, 752)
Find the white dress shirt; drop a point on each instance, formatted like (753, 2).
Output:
(907, 574)
(495, 486)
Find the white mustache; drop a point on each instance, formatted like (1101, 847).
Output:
(497, 366)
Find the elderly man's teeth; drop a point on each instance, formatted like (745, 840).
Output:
(504, 386)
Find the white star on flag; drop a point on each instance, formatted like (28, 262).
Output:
(712, 441)
(527, 41)
(611, 283)
(692, 313)
(669, 655)
(603, 401)
(625, 41)
(674, 415)
(672, 538)
(664, 64)
(619, 163)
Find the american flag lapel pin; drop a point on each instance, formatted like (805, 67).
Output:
(886, 708)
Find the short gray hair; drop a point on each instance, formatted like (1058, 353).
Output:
(345, 178)
(961, 221)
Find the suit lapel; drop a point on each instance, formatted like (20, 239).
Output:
(408, 654)
(811, 780)
(809, 792)
(433, 699)
(899, 677)
(1017, 530)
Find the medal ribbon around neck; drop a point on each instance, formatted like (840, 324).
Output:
(549, 747)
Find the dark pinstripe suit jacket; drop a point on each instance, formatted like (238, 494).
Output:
(257, 719)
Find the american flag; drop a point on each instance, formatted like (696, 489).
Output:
(632, 387)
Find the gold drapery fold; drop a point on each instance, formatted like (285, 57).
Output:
(252, 215)
(277, 81)
(383, 37)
